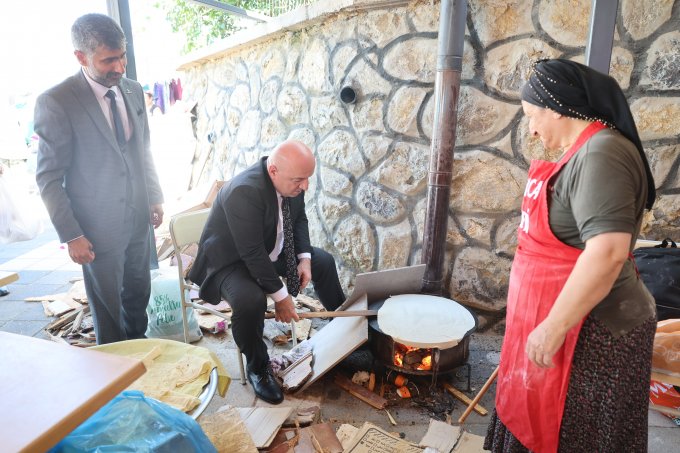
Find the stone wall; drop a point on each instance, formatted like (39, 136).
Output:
(366, 202)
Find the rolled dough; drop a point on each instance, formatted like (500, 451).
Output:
(424, 321)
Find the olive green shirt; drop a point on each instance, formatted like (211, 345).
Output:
(603, 189)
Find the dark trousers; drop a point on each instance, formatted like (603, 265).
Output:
(118, 285)
(248, 302)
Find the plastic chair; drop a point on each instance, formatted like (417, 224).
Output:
(185, 229)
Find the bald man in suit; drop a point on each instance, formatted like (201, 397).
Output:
(241, 254)
(97, 178)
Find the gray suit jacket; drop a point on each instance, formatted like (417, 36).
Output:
(83, 176)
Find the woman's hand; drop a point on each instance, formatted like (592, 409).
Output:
(543, 342)
(590, 281)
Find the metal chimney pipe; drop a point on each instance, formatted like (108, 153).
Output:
(452, 18)
(601, 34)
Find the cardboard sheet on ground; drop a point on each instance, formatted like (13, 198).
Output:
(440, 436)
(371, 439)
(469, 443)
(227, 432)
(263, 422)
(319, 437)
(176, 372)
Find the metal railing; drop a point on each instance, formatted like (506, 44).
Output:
(278, 7)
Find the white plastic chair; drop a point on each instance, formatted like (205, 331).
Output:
(186, 229)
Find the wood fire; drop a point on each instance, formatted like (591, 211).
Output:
(411, 358)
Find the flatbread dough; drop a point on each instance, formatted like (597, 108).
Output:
(423, 321)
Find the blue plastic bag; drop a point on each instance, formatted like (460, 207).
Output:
(133, 423)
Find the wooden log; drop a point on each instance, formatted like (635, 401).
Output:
(75, 327)
(63, 320)
(371, 382)
(463, 397)
(360, 392)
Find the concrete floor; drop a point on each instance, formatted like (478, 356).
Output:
(45, 268)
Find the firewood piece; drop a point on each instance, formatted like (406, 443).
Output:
(360, 392)
(297, 373)
(75, 327)
(392, 420)
(49, 297)
(62, 321)
(462, 397)
(371, 382)
(59, 307)
(312, 304)
(414, 357)
(479, 395)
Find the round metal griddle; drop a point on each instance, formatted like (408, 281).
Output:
(420, 343)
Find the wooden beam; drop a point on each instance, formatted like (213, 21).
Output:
(360, 392)
(463, 397)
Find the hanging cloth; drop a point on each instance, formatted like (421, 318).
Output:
(159, 96)
(171, 91)
(530, 400)
(178, 90)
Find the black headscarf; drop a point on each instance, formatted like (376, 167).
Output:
(577, 91)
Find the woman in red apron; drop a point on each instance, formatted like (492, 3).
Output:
(575, 362)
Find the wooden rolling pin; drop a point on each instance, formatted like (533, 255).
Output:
(328, 314)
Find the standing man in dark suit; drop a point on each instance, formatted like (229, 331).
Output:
(97, 178)
(243, 251)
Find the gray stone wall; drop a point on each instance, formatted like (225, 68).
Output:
(366, 202)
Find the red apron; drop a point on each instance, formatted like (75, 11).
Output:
(530, 400)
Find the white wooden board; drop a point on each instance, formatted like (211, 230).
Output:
(338, 339)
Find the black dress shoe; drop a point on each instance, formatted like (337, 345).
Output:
(3, 292)
(265, 386)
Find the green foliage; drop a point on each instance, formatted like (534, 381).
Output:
(202, 25)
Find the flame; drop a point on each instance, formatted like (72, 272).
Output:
(401, 350)
(426, 363)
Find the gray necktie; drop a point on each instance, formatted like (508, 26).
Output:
(117, 121)
(292, 278)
